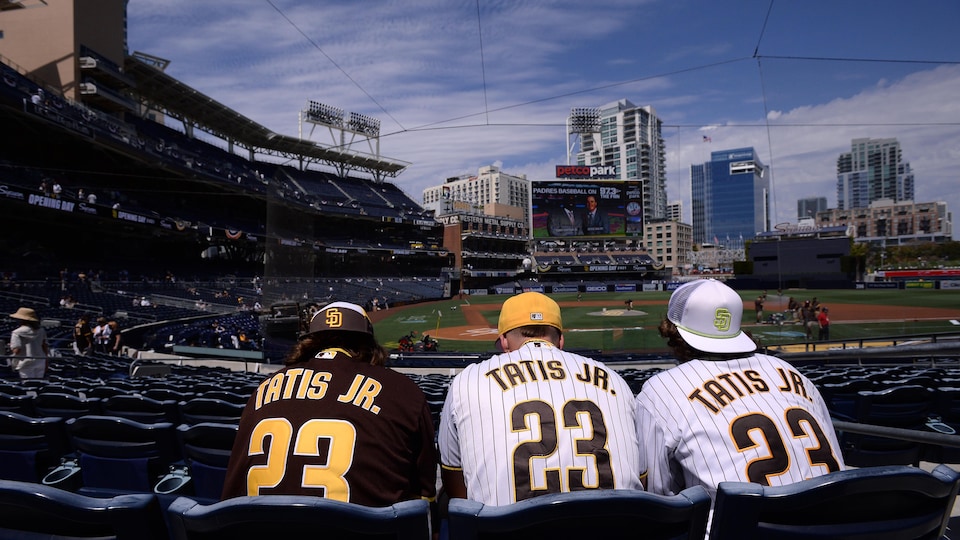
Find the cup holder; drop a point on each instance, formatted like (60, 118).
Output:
(175, 481)
(66, 476)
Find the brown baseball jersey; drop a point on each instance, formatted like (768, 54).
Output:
(335, 428)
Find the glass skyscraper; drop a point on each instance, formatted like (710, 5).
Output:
(730, 197)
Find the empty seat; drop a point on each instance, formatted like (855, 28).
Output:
(30, 447)
(64, 405)
(206, 449)
(117, 454)
(198, 410)
(34, 511)
(141, 408)
(585, 514)
(891, 503)
(292, 516)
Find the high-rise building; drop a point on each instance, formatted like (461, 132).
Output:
(630, 139)
(489, 186)
(730, 197)
(873, 169)
(808, 207)
(675, 211)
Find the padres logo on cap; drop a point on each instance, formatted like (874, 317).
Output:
(334, 319)
(721, 319)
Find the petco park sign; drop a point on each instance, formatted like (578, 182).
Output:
(586, 171)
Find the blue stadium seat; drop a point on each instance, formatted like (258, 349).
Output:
(64, 405)
(906, 407)
(117, 454)
(34, 511)
(585, 514)
(206, 448)
(890, 503)
(292, 516)
(197, 410)
(141, 408)
(30, 447)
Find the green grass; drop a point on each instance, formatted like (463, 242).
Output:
(588, 331)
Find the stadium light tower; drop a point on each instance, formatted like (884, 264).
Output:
(582, 121)
(345, 129)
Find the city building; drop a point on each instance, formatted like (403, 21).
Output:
(873, 169)
(628, 138)
(810, 206)
(488, 244)
(489, 186)
(675, 211)
(730, 197)
(888, 223)
(669, 241)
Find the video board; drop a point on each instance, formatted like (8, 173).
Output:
(586, 209)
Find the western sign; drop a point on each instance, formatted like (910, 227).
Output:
(586, 171)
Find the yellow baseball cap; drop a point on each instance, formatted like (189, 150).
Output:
(529, 308)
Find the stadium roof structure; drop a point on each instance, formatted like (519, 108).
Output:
(165, 93)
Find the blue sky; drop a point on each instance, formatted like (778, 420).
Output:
(460, 84)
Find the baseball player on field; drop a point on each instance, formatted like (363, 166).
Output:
(727, 413)
(536, 419)
(336, 423)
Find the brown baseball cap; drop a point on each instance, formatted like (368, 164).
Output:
(342, 317)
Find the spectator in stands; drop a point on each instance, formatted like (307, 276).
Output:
(57, 189)
(758, 307)
(339, 423)
(82, 335)
(809, 318)
(536, 403)
(101, 336)
(823, 318)
(28, 344)
(116, 339)
(727, 413)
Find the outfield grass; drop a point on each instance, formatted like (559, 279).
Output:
(587, 327)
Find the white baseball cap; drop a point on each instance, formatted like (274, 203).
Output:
(708, 313)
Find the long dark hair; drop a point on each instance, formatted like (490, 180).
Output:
(682, 350)
(362, 347)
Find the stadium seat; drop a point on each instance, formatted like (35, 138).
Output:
(117, 454)
(890, 503)
(906, 407)
(206, 449)
(19, 403)
(291, 516)
(30, 447)
(197, 410)
(64, 405)
(141, 408)
(34, 511)
(584, 514)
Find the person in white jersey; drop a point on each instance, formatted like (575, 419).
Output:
(727, 413)
(536, 419)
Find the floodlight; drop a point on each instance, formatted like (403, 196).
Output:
(324, 114)
(584, 120)
(362, 123)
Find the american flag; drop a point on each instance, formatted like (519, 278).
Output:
(707, 139)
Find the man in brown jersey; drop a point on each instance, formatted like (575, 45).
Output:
(336, 423)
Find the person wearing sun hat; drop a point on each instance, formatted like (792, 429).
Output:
(29, 346)
(339, 423)
(536, 408)
(727, 412)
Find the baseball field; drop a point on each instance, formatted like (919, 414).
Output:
(605, 321)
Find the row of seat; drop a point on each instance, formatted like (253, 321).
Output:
(113, 455)
(893, 503)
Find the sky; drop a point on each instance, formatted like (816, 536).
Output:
(462, 84)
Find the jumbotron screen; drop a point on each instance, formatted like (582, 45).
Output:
(584, 209)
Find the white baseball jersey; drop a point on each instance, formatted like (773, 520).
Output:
(539, 420)
(753, 419)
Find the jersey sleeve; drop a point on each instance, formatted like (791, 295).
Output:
(448, 439)
(655, 447)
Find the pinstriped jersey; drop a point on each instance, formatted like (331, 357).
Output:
(754, 419)
(539, 420)
(336, 428)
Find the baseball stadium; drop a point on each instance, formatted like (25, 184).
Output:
(207, 242)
